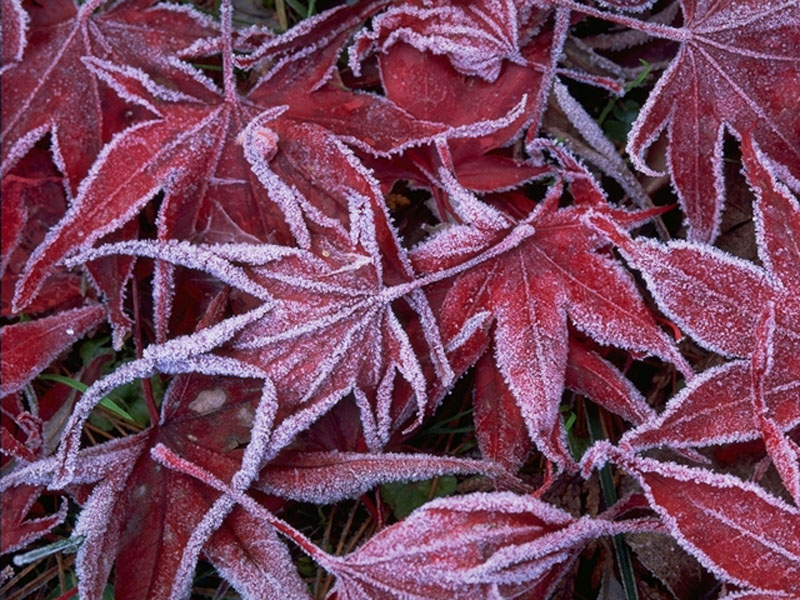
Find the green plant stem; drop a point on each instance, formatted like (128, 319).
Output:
(628, 87)
(597, 433)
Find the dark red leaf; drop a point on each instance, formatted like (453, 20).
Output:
(497, 545)
(705, 511)
(50, 90)
(527, 277)
(730, 57)
(325, 477)
(499, 425)
(16, 530)
(30, 346)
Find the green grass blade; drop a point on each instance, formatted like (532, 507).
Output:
(106, 402)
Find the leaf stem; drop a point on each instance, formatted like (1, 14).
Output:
(226, 16)
(597, 433)
(655, 29)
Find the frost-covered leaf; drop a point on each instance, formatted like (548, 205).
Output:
(499, 426)
(17, 530)
(333, 331)
(777, 213)
(716, 408)
(222, 158)
(736, 67)
(143, 518)
(632, 5)
(254, 559)
(713, 296)
(111, 275)
(529, 276)
(705, 511)
(719, 300)
(461, 101)
(50, 89)
(783, 451)
(596, 378)
(326, 327)
(758, 595)
(326, 477)
(33, 200)
(483, 545)
(24, 519)
(476, 37)
(14, 33)
(30, 346)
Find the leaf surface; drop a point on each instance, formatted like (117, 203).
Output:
(529, 276)
(724, 75)
(30, 346)
(719, 300)
(704, 511)
(59, 36)
(497, 545)
(476, 37)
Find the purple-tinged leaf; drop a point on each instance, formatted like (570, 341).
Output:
(783, 451)
(597, 379)
(14, 34)
(50, 90)
(499, 424)
(257, 565)
(713, 296)
(476, 37)
(777, 214)
(730, 57)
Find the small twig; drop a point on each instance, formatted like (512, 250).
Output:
(62, 581)
(319, 590)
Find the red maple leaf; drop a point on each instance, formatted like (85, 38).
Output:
(502, 431)
(30, 346)
(218, 176)
(703, 511)
(151, 523)
(23, 441)
(497, 542)
(730, 56)
(720, 300)
(524, 278)
(48, 88)
(333, 305)
(34, 199)
(476, 37)
(497, 545)
(460, 101)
